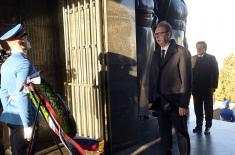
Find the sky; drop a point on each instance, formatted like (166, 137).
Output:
(212, 21)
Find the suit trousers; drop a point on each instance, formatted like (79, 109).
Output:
(166, 121)
(205, 101)
(19, 145)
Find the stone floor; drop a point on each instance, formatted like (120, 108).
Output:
(54, 151)
(221, 141)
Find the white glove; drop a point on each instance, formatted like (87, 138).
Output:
(25, 90)
(28, 132)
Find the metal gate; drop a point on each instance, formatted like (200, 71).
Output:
(82, 32)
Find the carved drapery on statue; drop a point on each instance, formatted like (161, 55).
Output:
(145, 19)
(148, 13)
(175, 12)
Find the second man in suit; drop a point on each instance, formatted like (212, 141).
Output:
(205, 81)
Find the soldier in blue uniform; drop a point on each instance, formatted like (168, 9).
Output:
(227, 114)
(18, 110)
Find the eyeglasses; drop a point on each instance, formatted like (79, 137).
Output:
(159, 33)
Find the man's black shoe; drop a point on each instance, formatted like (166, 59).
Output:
(197, 130)
(207, 131)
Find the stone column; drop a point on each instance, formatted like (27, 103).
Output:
(122, 73)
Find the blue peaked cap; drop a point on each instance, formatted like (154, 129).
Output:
(12, 32)
(226, 103)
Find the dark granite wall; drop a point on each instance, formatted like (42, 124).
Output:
(122, 82)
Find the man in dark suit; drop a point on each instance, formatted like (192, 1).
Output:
(205, 81)
(170, 88)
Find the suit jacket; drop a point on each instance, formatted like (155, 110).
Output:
(17, 106)
(205, 74)
(172, 77)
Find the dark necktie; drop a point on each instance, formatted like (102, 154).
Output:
(163, 54)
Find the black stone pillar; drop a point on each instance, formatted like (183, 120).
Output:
(121, 73)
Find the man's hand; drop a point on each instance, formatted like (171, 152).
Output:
(150, 105)
(183, 111)
(212, 90)
(28, 132)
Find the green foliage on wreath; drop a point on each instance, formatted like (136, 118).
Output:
(68, 123)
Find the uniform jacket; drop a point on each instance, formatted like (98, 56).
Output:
(205, 74)
(227, 115)
(171, 78)
(17, 107)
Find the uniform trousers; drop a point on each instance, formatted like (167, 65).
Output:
(2, 150)
(166, 121)
(19, 145)
(205, 101)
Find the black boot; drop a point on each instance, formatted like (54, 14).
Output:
(197, 129)
(207, 131)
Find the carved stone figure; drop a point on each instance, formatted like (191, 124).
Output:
(175, 12)
(146, 18)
